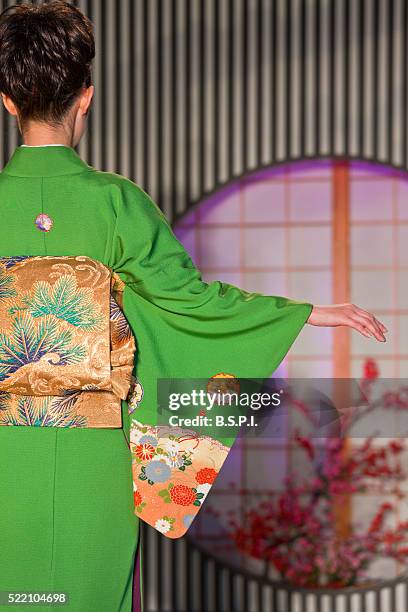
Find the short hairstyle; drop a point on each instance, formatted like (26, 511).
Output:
(46, 54)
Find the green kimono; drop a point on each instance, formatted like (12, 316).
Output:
(67, 521)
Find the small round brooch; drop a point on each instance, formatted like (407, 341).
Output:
(44, 222)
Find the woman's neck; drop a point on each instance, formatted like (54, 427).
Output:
(37, 135)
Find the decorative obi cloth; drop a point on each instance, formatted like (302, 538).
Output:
(66, 349)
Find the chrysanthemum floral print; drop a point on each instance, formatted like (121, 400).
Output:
(173, 471)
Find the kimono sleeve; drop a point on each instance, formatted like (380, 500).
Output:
(185, 327)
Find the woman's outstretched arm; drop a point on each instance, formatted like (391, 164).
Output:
(187, 327)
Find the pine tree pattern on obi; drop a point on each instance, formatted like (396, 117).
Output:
(66, 349)
(56, 319)
(72, 409)
(44, 411)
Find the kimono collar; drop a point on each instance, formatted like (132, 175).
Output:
(45, 161)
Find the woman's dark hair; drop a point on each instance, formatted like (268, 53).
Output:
(46, 54)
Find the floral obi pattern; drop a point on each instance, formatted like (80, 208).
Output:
(173, 471)
(66, 349)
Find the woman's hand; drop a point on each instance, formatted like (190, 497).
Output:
(350, 316)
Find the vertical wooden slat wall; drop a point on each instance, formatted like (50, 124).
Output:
(191, 94)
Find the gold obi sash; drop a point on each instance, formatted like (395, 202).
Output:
(66, 348)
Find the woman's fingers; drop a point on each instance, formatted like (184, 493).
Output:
(360, 328)
(371, 328)
(369, 324)
(369, 314)
(370, 320)
(382, 326)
